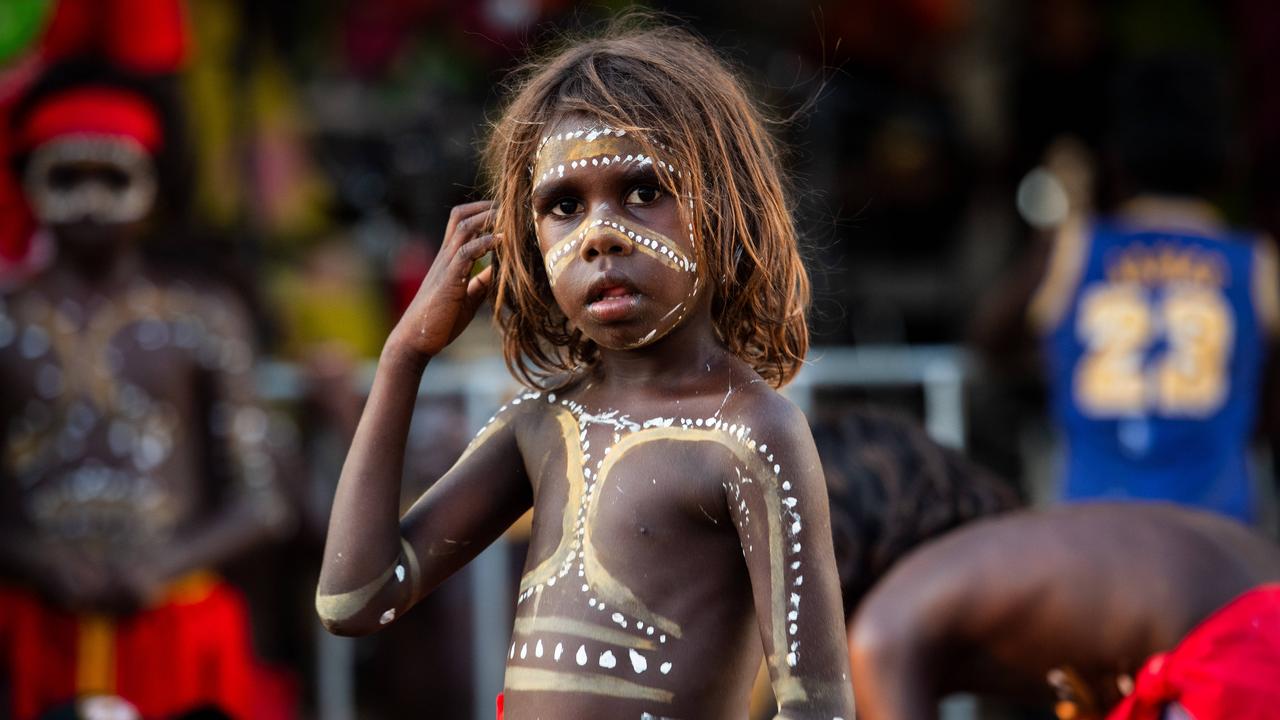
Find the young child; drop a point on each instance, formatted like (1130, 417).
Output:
(119, 383)
(649, 288)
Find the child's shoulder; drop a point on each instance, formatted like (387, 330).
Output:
(765, 412)
(525, 409)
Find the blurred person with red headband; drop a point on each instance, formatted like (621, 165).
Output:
(147, 37)
(133, 457)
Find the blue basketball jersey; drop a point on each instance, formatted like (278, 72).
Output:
(1155, 362)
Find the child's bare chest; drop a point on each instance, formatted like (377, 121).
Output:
(631, 555)
(611, 490)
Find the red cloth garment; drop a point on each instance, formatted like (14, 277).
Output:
(191, 650)
(1227, 668)
(499, 706)
(91, 111)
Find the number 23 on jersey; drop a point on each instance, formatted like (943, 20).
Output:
(1121, 323)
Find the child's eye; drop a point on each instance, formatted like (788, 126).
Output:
(643, 195)
(566, 206)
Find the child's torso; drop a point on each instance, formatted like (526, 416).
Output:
(635, 593)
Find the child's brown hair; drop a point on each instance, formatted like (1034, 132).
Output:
(685, 105)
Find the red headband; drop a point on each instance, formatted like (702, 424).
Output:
(91, 111)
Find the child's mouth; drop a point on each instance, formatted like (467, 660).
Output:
(612, 303)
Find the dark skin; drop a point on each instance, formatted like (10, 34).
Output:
(76, 374)
(1096, 588)
(654, 571)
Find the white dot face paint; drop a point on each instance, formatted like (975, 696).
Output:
(597, 193)
(115, 180)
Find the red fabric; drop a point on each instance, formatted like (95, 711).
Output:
(188, 652)
(94, 111)
(499, 706)
(147, 36)
(1228, 668)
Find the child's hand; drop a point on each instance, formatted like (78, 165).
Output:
(449, 295)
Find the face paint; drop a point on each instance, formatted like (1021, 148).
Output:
(572, 169)
(107, 180)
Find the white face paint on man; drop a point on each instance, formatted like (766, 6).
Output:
(101, 179)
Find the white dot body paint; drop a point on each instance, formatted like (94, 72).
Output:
(780, 499)
(400, 573)
(638, 662)
(524, 651)
(387, 617)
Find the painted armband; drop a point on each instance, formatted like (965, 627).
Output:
(388, 595)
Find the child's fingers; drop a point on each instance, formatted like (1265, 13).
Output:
(470, 226)
(479, 286)
(469, 253)
(461, 212)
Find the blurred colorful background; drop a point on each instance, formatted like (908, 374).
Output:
(323, 144)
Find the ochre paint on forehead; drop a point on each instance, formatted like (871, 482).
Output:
(596, 145)
(562, 149)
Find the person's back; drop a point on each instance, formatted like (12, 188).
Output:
(1090, 589)
(1155, 358)
(1156, 321)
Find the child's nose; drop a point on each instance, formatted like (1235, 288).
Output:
(605, 240)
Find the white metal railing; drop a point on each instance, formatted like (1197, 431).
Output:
(939, 370)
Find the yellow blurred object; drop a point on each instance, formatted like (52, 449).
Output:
(330, 299)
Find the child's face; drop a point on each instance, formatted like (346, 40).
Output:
(618, 252)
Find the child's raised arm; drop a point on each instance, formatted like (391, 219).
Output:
(778, 501)
(376, 566)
